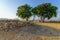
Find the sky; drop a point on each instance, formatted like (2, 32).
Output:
(8, 8)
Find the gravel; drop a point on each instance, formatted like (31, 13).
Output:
(31, 33)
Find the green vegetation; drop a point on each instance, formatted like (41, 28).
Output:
(24, 11)
(45, 10)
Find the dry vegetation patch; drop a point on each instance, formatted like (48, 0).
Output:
(53, 25)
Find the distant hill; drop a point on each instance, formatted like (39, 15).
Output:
(8, 19)
(3, 18)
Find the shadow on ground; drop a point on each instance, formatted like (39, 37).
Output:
(39, 30)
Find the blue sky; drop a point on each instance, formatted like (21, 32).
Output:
(8, 7)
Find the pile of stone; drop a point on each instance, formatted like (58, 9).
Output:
(11, 25)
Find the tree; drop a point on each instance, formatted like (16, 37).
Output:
(35, 11)
(24, 11)
(45, 10)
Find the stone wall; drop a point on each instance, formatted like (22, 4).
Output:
(5, 25)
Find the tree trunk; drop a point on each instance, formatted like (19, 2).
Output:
(39, 18)
(26, 19)
(42, 18)
(33, 17)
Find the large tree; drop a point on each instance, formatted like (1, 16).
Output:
(45, 10)
(24, 11)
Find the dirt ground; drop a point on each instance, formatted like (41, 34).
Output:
(39, 31)
(25, 36)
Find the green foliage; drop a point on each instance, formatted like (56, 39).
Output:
(24, 11)
(46, 10)
(35, 11)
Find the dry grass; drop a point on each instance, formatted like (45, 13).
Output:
(53, 25)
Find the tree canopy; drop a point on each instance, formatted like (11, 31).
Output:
(45, 10)
(24, 11)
